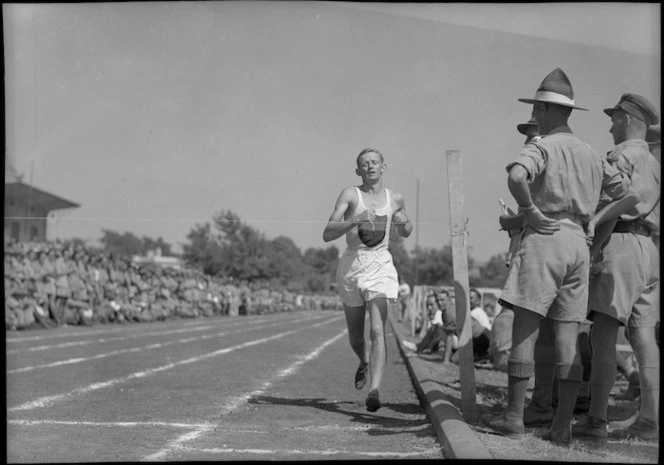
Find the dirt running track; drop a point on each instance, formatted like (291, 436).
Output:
(271, 387)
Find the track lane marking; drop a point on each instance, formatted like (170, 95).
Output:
(110, 339)
(108, 424)
(50, 400)
(113, 328)
(84, 332)
(121, 338)
(145, 347)
(327, 452)
(239, 400)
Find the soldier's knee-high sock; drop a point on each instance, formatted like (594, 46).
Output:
(519, 373)
(569, 381)
(602, 379)
(545, 373)
(603, 372)
(649, 382)
(648, 359)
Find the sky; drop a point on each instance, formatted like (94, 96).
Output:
(155, 116)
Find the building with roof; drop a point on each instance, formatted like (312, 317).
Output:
(27, 208)
(154, 257)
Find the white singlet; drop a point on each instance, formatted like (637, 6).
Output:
(366, 270)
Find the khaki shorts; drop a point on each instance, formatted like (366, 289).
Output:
(366, 275)
(549, 274)
(627, 288)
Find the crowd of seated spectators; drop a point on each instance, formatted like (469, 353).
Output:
(54, 283)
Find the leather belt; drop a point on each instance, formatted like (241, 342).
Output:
(634, 227)
(575, 218)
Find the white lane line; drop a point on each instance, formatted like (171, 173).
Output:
(177, 443)
(240, 400)
(113, 328)
(90, 332)
(118, 338)
(123, 424)
(142, 348)
(109, 339)
(328, 452)
(130, 424)
(50, 400)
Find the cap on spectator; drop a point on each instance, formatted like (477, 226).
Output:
(523, 127)
(636, 106)
(654, 135)
(555, 88)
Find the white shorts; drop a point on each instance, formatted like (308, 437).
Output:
(364, 275)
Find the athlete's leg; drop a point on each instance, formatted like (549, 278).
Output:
(377, 316)
(355, 317)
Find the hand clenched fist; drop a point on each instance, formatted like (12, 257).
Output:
(399, 217)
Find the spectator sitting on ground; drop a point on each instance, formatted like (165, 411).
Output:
(491, 306)
(403, 296)
(436, 333)
(480, 327)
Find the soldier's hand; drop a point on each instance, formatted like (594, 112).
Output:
(541, 224)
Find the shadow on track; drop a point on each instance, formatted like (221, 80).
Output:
(384, 423)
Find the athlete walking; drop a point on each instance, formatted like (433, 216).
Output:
(366, 276)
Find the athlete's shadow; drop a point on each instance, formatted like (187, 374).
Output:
(385, 424)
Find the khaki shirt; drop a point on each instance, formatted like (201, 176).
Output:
(568, 175)
(633, 158)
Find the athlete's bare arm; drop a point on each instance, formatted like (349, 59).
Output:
(400, 219)
(340, 222)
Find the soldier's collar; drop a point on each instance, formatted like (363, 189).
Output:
(564, 129)
(632, 142)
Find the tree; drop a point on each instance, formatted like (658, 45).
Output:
(320, 267)
(434, 266)
(122, 245)
(128, 244)
(321, 260)
(284, 259)
(243, 248)
(402, 261)
(203, 251)
(494, 272)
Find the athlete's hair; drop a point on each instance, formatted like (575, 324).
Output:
(369, 150)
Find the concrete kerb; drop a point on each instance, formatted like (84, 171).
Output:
(458, 439)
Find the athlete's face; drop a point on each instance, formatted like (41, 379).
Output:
(370, 166)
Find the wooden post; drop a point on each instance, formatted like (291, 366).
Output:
(461, 285)
(414, 308)
(417, 232)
